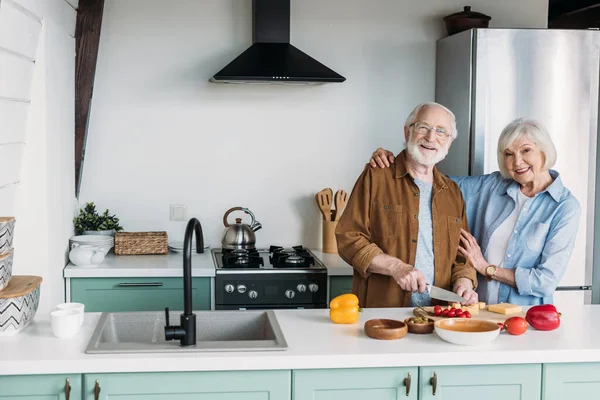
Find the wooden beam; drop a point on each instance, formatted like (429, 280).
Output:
(87, 34)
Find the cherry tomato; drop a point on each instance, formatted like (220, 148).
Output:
(466, 314)
(516, 325)
(452, 313)
(437, 311)
(460, 313)
(437, 307)
(445, 312)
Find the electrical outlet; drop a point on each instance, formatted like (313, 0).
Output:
(178, 212)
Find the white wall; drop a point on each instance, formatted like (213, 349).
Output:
(43, 199)
(160, 133)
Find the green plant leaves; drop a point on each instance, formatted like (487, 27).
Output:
(89, 220)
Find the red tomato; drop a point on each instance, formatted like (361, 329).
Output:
(516, 325)
(437, 312)
(445, 312)
(460, 313)
(467, 314)
(437, 307)
(452, 313)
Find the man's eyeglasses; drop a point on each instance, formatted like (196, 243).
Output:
(423, 129)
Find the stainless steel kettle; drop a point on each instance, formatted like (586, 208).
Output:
(238, 235)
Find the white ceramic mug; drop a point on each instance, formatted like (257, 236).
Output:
(79, 307)
(65, 323)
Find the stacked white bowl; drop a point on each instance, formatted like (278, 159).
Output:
(103, 242)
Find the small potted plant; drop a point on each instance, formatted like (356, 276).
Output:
(89, 222)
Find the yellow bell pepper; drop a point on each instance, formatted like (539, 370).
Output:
(344, 309)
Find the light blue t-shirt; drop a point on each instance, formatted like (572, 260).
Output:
(424, 257)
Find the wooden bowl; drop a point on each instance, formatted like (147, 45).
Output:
(385, 329)
(420, 328)
(466, 331)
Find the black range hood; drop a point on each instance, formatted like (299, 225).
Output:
(271, 58)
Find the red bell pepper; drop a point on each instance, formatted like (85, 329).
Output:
(543, 317)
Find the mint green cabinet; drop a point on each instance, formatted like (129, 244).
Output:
(247, 385)
(138, 294)
(40, 387)
(489, 382)
(355, 384)
(339, 285)
(571, 381)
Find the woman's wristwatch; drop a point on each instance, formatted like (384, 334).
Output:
(490, 271)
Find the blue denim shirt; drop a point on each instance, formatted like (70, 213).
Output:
(543, 238)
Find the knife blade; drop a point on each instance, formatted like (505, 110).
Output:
(443, 294)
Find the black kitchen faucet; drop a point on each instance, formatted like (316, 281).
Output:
(186, 332)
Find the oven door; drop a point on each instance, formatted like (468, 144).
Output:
(269, 307)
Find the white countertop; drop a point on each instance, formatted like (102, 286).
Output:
(172, 265)
(144, 266)
(314, 342)
(334, 263)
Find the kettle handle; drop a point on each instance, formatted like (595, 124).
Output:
(237, 209)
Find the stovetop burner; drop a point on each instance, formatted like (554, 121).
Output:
(242, 258)
(286, 260)
(296, 257)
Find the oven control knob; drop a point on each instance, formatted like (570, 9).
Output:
(301, 288)
(229, 288)
(252, 294)
(241, 288)
(290, 294)
(313, 287)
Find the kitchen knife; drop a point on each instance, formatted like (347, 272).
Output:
(443, 294)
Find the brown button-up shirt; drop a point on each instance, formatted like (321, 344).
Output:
(382, 217)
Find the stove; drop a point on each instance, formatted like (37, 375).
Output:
(273, 278)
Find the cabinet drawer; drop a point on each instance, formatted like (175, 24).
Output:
(356, 384)
(138, 294)
(489, 382)
(571, 381)
(221, 385)
(40, 387)
(339, 285)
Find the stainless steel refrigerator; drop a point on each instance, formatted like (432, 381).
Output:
(489, 77)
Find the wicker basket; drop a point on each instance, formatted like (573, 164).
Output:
(141, 243)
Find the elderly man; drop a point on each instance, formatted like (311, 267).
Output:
(401, 227)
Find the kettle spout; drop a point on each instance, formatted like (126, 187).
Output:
(256, 226)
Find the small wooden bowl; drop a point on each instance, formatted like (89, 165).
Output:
(417, 328)
(386, 329)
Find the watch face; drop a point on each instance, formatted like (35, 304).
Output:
(491, 270)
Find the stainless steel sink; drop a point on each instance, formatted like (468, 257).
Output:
(143, 332)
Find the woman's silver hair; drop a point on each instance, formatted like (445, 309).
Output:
(412, 117)
(534, 131)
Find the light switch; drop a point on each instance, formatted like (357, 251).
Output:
(178, 212)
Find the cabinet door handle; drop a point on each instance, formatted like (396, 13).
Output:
(407, 384)
(97, 391)
(67, 389)
(433, 382)
(140, 284)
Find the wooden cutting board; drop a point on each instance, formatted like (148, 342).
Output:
(20, 285)
(484, 314)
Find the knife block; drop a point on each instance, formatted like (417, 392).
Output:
(329, 241)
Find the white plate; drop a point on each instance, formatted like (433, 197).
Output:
(92, 239)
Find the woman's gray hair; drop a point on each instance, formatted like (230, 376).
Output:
(531, 129)
(412, 117)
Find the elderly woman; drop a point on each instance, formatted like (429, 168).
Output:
(525, 220)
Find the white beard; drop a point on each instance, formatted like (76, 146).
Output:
(428, 161)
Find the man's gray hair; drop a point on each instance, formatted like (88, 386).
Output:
(412, 117)
(531, 129)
